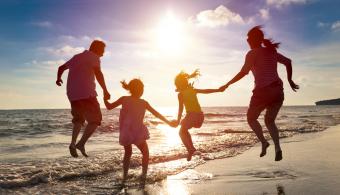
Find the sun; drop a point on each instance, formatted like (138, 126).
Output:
(170, 35)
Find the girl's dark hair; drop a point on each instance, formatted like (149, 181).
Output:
(135, 86)
(257, 34)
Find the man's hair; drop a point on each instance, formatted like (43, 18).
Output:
(96, 45)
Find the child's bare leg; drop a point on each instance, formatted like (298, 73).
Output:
(143, 147)
(126, 161)
(187, 141)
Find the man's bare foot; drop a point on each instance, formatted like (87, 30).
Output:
(73, 150)
(264, 149)
(82, 149)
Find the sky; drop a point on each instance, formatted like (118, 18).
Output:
(155, 40)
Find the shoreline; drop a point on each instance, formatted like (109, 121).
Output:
(310, 165)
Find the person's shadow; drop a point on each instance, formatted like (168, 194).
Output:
(280, 190)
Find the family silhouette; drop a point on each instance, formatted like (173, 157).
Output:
(84, 69)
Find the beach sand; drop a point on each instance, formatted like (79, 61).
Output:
(310, 165)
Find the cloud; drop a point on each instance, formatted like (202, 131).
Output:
(64, 51)
(46, 65)
(221, 16)
(281, 3)
(336, 26)
(42, 24)
(322, 24)
(41, 68)
(264, 13)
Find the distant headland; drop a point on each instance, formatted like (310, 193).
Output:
(329, 102)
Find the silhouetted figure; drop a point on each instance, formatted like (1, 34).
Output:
(268, 94)
(81, 92)
(131, 127)
(187, 96)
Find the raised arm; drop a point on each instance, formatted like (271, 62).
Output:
(101, 81)
(156, 114)
(113, 105)
(61, 70)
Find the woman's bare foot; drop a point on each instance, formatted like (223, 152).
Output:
(82, 149)
(278, 155)
(264, 149)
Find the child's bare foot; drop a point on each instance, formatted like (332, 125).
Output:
(82, 149)
(192, 153)
(264, 149)
(142, 180)
(73, 150)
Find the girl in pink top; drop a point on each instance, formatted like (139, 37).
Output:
(268, 94)
(131, 127)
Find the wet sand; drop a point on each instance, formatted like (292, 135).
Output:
(310, 165)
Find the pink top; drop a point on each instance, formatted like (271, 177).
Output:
(81, 78)
(131, 121)
(263, 64)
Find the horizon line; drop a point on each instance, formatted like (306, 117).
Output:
(68, 108)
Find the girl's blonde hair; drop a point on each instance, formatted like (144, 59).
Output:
(135, 86)
(182, 79)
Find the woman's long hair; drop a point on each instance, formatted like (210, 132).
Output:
(257, 35)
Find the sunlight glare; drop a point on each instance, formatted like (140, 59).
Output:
(171, 35)
(171, 135)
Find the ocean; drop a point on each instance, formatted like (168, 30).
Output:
(34, 155)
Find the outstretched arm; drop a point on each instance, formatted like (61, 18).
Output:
(289, 70)
(156, 114)
(236, 78)
(61, 70)
(101, 81)
(112, 105)
(249, 62)
(207, 91)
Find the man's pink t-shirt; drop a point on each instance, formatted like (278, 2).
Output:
(81, 77)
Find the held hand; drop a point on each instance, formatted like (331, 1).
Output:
(59, 82)
(293, 85)
(107, 95)
(223, 88)
(173, 123)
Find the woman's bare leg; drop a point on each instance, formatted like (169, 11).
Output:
(269, 120)
(252, 116)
